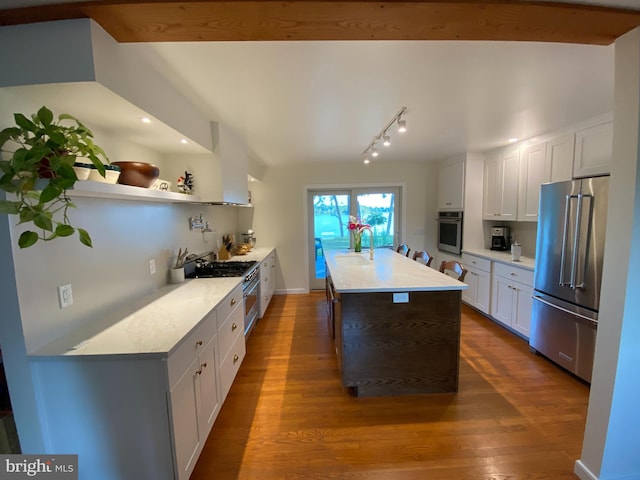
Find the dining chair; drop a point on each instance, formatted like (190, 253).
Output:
(455, 267)
(423, 257)
(403, 249)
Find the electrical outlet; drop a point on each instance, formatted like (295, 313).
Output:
(65, 297)
(152, 266)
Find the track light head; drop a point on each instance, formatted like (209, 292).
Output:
(402, 125)
(366, 161)
(374, 151)
(386, 140)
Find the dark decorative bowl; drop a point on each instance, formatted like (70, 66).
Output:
(138, 174)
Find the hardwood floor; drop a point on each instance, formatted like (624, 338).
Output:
(516, 416)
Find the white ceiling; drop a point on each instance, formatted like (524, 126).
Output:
(325, 101)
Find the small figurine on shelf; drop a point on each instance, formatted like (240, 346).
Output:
(185, 184)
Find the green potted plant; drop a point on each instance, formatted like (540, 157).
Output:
(38, 170)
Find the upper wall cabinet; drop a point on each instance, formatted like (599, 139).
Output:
(559, 158)
(501, 178)
(451, 186)
(532, 175)
(593, 150)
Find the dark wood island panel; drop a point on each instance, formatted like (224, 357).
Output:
(388, 348)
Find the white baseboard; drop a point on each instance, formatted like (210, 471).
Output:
(583, 472)
(291, 291)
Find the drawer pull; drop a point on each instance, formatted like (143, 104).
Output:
(199, 343)
(233, 302)
(233, 326)
(235, 358)
(513, 274)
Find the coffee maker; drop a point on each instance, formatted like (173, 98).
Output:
(500, 238)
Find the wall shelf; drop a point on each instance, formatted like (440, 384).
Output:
(89, 188)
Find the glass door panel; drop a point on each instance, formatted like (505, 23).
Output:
(378, 210)
(330, 229)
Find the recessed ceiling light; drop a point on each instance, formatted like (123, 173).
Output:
(512, 140)
(184, 141)
(145, 120)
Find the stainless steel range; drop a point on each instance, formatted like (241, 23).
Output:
(250, 270)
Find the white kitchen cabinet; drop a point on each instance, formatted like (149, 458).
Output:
(559, 158)
(231, 344)
(593, 150)
(194, 398)
(451, 186)
(511, 303)
(532, 175)
(142, 415)
(267, 281)
(478, 277)
(501, 178)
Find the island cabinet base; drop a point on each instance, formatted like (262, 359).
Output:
(388, 348)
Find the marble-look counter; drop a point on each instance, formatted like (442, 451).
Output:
(388, 272)
(154, 324)
(527, 263)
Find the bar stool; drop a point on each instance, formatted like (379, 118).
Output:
(423, 257)
(403, 249)
(455, 267)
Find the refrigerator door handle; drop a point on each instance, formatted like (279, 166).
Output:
(565, 233)
(580, 283)
(553, 305)
(576, 241)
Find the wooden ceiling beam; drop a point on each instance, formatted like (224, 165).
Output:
(243, 20)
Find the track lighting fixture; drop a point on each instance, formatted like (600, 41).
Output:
(383, 136)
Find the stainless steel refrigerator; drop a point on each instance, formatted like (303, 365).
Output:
(568, 272)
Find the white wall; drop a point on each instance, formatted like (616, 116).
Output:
(611, 445)
(280, 216)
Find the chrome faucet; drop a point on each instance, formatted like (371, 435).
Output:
(362, 229)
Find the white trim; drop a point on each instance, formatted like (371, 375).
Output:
(583, 472)
(291, 291)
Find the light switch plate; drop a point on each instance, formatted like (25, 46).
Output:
(65, 296)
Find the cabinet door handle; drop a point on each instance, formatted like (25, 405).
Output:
(199, 372)
(233, 326)
(235, 358)
(204, 365)
(233, 302)
(513, 274)
(199, 343)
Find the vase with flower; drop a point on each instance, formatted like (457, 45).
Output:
(356, 228)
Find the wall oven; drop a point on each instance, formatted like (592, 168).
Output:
(450, 232)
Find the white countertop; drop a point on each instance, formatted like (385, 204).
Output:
(152, 325)
(388, 272)
(527, 263)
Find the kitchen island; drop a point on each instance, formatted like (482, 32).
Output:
(395, 323)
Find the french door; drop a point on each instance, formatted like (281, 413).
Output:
(328, 213)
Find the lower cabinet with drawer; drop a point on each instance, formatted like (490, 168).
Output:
(478, 295)
(231, 346)
(138, 416)
(194, 397)
(512, 289)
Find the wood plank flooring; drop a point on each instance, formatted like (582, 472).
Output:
(516, 416)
